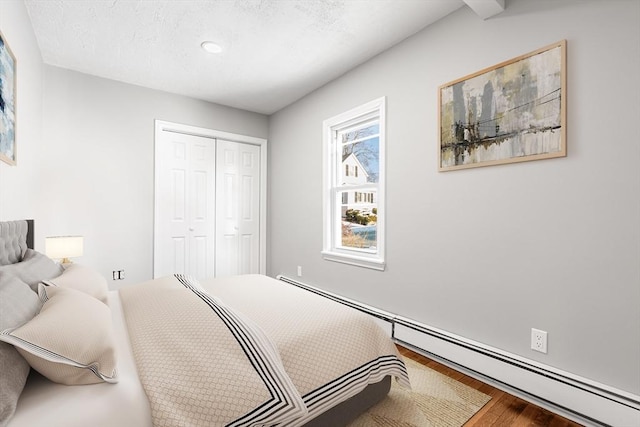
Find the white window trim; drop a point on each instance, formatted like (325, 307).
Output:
(375, 260)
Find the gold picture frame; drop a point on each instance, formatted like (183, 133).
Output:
(7, 103)
(512, 112)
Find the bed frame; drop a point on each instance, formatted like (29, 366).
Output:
(30, 233)
(15, 236)
(350, 409)
(340, 415)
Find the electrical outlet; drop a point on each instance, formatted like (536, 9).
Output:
(117, 274)
(299, 271)
(539, 340)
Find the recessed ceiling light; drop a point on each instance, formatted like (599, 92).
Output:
(211, 47)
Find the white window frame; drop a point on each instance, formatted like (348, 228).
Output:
(332, 251)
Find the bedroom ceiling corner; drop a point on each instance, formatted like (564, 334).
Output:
(272, 52)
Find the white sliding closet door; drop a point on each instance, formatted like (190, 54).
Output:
(238, 208)
(210, 196)
(185, 205)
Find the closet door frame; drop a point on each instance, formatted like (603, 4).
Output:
(165, 126)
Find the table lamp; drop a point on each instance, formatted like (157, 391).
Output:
(63, 247)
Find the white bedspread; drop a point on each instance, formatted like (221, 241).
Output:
(200, 363)
(44, 403)
(331, 352)
(337, 354)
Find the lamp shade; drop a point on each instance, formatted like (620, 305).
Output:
(63, 247)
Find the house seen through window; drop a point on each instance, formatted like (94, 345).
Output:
(354, 150)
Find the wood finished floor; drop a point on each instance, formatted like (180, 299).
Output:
(503, 409)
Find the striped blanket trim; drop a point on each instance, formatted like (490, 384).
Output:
(286, 404)
(336, 391)
(369, 373)
(350, 384)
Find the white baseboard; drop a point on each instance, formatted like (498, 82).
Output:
(571, 396)
(579, 399)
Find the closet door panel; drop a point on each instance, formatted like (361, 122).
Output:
(209, 193)
(237, 219)
(185, 205)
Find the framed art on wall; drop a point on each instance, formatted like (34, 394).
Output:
(7, 103)
(512, 112)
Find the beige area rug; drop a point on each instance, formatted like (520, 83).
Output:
(434, 400)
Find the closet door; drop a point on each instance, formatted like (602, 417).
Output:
(238, 208)
(184, 205)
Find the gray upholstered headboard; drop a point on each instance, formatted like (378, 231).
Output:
(15, 238)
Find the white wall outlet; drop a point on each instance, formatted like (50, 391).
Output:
(539, 340)
(299, 271)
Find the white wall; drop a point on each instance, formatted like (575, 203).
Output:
(17, 196)
(99, 149)
(489, 253)
(85, 153)
(97, 178)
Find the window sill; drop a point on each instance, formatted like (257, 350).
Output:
(359, 261)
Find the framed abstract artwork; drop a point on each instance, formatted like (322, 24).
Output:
(7, 103)
(512, 112)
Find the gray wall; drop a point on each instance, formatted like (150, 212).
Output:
(99, 151)
(485, 253)
(489, 253)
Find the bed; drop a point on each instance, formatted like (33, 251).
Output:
(243, 350)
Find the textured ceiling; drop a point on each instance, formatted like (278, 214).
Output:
(274, 51)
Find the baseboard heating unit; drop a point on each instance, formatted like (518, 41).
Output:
(576, 398)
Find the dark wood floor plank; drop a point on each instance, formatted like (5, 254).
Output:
(533, 416)
(503, 409)
(511, 412)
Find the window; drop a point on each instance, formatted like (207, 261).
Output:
(353, 199)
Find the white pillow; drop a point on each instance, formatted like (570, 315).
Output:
(84, 279)
(70, 341)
